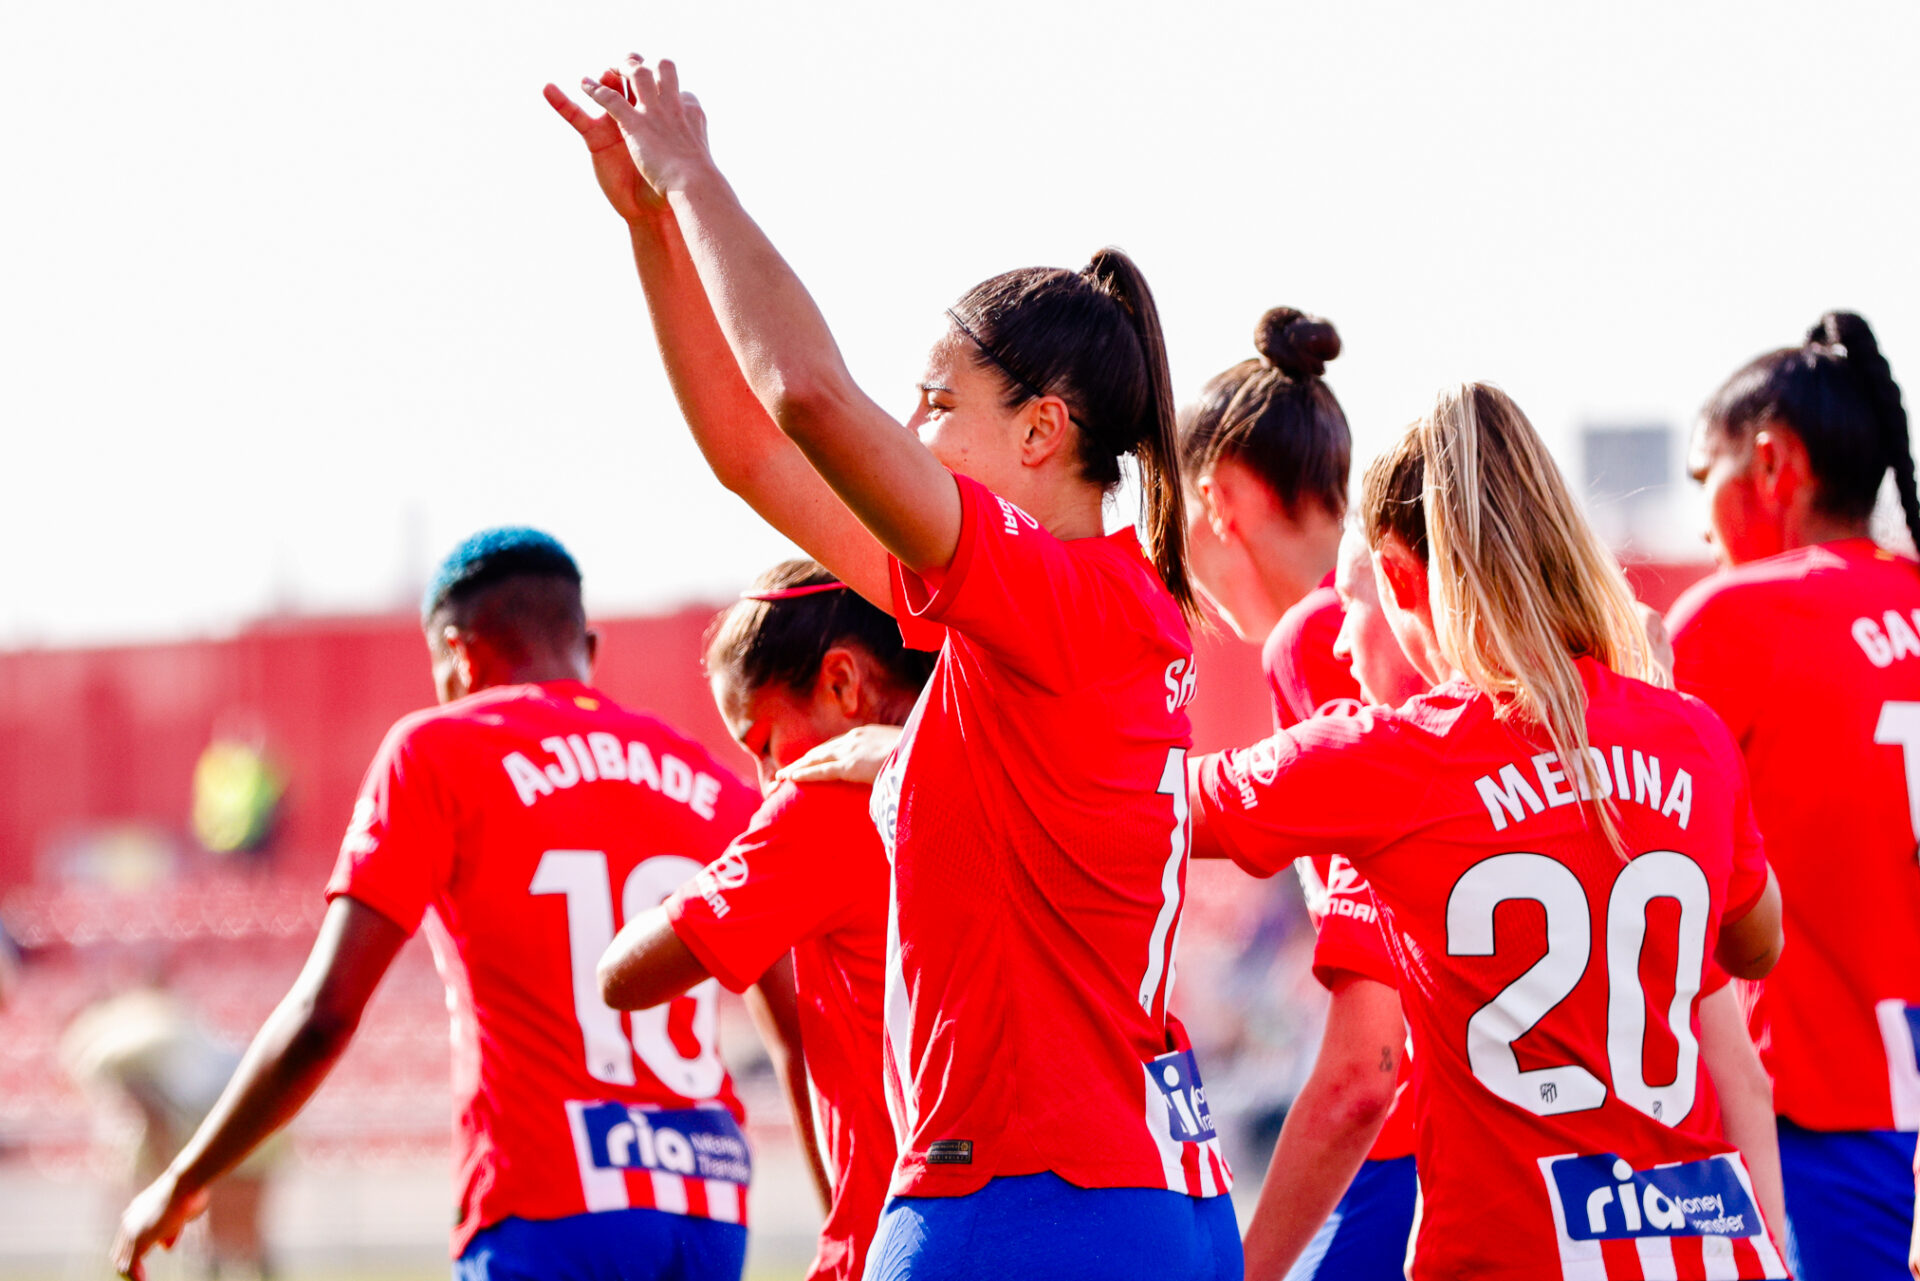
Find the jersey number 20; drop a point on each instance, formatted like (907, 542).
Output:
(1495, 1026)
(582, 877)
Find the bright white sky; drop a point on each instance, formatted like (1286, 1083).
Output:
(297, 296)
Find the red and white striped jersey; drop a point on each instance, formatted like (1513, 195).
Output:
(1552, 985)
(532, 820)
(1035, 815)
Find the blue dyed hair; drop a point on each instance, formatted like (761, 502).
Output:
(492, 556)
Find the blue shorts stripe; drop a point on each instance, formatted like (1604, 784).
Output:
(1849, 1202)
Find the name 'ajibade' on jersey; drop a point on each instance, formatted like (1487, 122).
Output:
(1035, 815)
(1551, 986)
(533, 820)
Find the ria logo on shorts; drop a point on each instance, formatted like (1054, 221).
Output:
(1693, 1218)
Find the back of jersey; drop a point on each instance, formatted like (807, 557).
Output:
(535, 820)
(1813, 659)
(1551, 981)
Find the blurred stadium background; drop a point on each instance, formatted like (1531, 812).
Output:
(168, 815)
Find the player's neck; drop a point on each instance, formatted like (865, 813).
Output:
(1811, 529)
(1290, 560)
(541, 670)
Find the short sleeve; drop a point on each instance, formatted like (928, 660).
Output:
(1013, 589)
(1719, 658)
(1346, 923)
(1306, 790)
(398, 851)
(781, 881)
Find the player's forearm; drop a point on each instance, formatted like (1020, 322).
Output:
(1746, 1099)
(776, 1015)
(289, 1058)
(790, 360)
(1327, 1134)
(728, 422)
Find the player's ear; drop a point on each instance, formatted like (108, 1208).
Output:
(593, 649)
(1780, 468)
(1403, 574)
(840, 681)
(1045, 429)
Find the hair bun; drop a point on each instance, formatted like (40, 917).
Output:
(1296, 344)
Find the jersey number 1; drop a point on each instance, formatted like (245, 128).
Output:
(581, 876)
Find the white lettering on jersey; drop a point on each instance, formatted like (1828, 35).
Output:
(600, 757)
(1180, 677)
(1888, 638)
(1014, 517)
(1510, 798)
(728, 872)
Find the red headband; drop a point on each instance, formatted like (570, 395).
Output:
(788, 593)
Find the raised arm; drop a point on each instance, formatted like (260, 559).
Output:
(289, 1058)
(747, 452)
(779, 341)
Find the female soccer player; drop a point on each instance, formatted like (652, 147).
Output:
(798, 660)
(1808, 645)
(1265, 453)
(1557, 843)
(1050, 1115)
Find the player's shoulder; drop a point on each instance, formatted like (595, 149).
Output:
(1790, 582)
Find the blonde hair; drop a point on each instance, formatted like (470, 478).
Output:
(1520, 585)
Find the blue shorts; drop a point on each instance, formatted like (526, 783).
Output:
(1365, 1238)
(1039, 1225)
(613, 1245)
(1849, 1202)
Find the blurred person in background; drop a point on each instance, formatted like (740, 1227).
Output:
(1807, 643)
(799, 660)
(143, 1049)
(1265, 453)
(523, 820)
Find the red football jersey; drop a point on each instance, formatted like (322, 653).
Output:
(1813, 660)
(1551, 986)
(1035, 814)
(1303, 676)
(533, 820)
(809, 875)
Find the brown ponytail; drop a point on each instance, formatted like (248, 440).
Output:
(1157, 451)
(1093, 339)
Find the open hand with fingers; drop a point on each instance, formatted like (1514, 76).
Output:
(857, 756)
(651, 139)
(156, 1217)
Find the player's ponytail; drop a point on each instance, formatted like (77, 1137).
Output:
(1836, 393)
(1852, 335)
(1093, 339)
(1521, 586)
